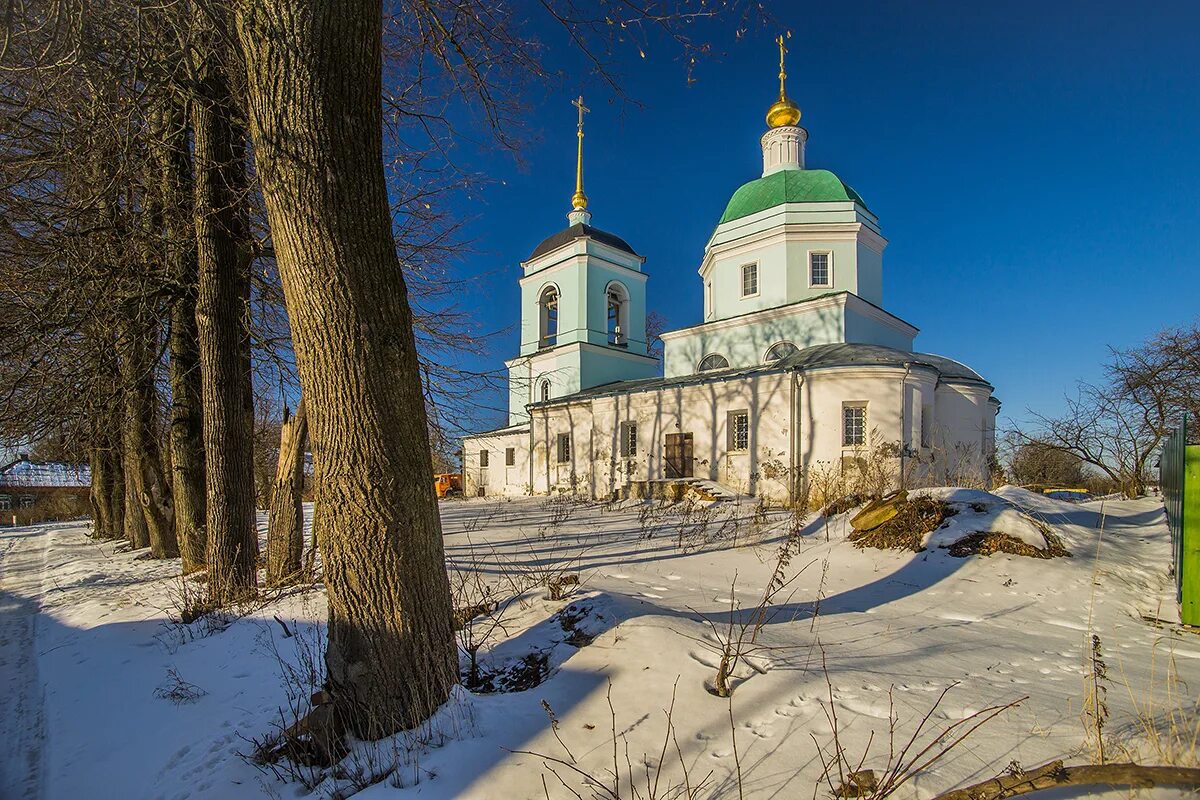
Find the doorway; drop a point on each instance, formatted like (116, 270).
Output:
(679, 455)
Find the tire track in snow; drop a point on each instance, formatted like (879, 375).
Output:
(22, 713)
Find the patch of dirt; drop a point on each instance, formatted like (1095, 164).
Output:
(569, 618)
(527, 673)
(987, 543)
(906, 531)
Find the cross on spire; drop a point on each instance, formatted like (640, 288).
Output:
(782, 73)
(579, 199)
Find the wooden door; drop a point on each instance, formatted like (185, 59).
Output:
(679, 455)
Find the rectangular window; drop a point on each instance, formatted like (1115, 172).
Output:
(854, 425)
(483, 458)
(628, 439)
(926, 424)
(738, 425)
(819, 273)
(749, 280)
(26, 501)
(564, 448)
(510, 456)
(5, 502)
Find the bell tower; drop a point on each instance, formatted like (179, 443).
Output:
(583, 309)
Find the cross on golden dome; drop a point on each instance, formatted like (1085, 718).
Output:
(783, 111)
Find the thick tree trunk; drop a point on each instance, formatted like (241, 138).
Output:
(149, 518)
(314, 82)
(222, 314)
(101, 490)
(187, 434)
(115, 457)
(107, 493)
(133, 441)
(285, 532)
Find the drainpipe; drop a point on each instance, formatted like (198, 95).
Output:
(792, 434)
(793, 455)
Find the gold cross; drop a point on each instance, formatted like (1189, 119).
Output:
(782, 51)
(578, 103)
(579, 199)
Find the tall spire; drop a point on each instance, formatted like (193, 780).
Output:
(783, 111)
(579, 212)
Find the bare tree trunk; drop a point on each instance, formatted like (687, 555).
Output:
(314, 84)
(101, 490)
(187, 433)
(285, 532)
(222, 314)
(148, 513)
(116, 495)
(132, 439)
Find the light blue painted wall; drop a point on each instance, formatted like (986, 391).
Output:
(865, 330)
(581, 357)
(870, 275)
(745, 345)
(844, 265)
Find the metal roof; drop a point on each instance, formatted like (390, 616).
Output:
(45, 474)
(822, 356)
(580, 231)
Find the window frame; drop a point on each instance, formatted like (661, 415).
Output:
(701, 368)
(483, 459)
(732, 419)
(828, 284)
(616, 314)
(767, 355)
(510, 456)
(544, 390)
(753, 265)
(548, 308)
(628, 432)
(563, 448)
(847, 439)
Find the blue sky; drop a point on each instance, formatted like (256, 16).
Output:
(1033, 167)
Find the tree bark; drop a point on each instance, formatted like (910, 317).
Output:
(149, 517)
(101, 490)
(285, 531)
(222, 314)
(314, 85)
(183, 368)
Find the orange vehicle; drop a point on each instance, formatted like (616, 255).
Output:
(446, 484)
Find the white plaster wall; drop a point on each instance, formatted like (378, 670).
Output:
(497, 479)
(964, 434)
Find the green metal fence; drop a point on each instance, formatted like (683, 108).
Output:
(1179, 472)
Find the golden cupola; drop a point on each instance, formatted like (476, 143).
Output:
(783, 111)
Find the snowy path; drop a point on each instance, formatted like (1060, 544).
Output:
(22, 718)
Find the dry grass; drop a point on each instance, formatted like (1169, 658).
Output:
(906, 531)
(985, 543)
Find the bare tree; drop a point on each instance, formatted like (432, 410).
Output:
(1118, 425)
(315, 112)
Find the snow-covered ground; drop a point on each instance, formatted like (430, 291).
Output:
(106, 697)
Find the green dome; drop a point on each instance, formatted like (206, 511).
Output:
(788, 186)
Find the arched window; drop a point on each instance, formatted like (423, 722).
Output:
(714, 361)
(781, 350)
(548, 314)
(617, 300)
(544, 391)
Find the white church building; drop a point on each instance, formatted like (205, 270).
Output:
(795, 366)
